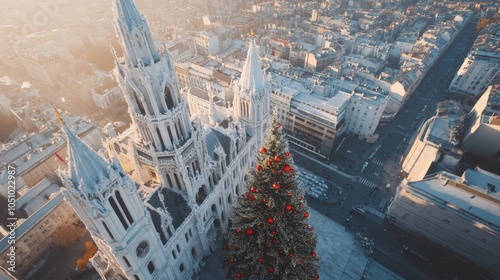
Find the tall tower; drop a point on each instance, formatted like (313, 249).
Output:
(251, 100)
(107, 202)
(168, 147)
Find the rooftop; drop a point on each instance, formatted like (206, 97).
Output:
(465, 196)
(174, 203)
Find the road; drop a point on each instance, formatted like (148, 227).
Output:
(422, 260)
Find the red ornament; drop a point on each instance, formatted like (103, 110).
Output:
(277, 159)
(288, 207)
(312, 228)
(259, 167)
(300, 198)
(278, 125)
(306, 214)
(313, 254)
(224, 248)
(287, 154)
(276, 186)
(246, 194)
(253, 190)
(269, 163)
(270, 220)
(291, 255)
(274, 232)
(294, 211)
(251, 197)
(238, 275)
(261, 260)
(293, 170)
(249, 231)
(271, 269)
(286, 168)
(264, 200)
(244, 218)
(263, 150)
(231, 260)
(274, 240)
(238, 230)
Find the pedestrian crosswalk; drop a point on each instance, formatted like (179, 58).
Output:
(377, 162)
(400, 132)
(367, 182)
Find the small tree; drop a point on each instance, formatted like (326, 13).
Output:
(65, 234)
(482, 23)
(269, 236)
(90, 251)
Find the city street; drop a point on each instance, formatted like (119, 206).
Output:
(382, 162)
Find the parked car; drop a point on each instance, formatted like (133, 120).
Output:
(360, 209)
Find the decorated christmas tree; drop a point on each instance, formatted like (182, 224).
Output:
(269, 236)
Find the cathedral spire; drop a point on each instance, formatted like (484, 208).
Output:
(134, 35)
(129, 13)
(252, 79)
(86, 167)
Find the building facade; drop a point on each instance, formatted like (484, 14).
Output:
(364, 113)
(187, 176)
(311, 121)
(481, 66)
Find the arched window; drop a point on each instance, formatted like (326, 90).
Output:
(167, 94)
(151, 267)
(163, 147)
(126, 261)
(107, 230)
(118, 212)
(124, 207)
(139, 104)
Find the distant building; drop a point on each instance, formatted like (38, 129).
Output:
(482, 64)
(207, 43)
(364, 113)
(35, 235)
(461, 214)
(107, 93)
(45, 62)
(314, 15)
(311, 121)
(180, 52)
(319, 60)
(191, 75)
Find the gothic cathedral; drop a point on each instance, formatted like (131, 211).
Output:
(186, 173)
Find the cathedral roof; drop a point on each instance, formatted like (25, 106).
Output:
(225, 142)
(174, 203)
(127, 10)
(212, 142)
(252, 79)
(86, 167)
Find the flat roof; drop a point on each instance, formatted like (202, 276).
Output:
(470, 199)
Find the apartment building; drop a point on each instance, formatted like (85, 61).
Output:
(481, 66)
